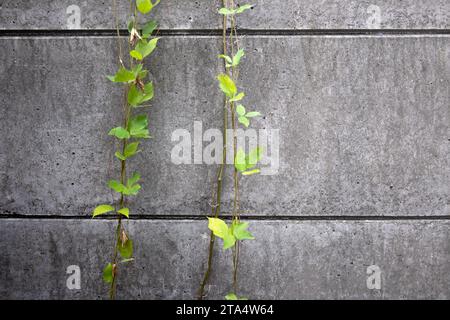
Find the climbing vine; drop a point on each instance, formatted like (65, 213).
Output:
(138, 92)
(236, 231)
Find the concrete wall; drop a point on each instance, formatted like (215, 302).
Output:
(358, 89)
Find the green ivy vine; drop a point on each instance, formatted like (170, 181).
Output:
(236, 231)
(138, 92)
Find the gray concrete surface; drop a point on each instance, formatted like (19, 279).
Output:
(289, 260)
(364, 125)
(267, 14)
(364, 132)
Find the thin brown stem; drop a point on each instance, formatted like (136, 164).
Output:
(217, 199)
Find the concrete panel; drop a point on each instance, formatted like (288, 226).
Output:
(364, 125)
(268, 14)
(289, 260)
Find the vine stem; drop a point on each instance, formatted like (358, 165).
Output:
(217, 200)
(236, 215)
(123, 171)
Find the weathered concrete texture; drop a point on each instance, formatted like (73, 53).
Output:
(364, 125)
(268, 14)
(289, 260)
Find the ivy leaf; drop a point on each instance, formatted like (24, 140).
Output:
(133, 179)
(138, 126)
(145, 48)
(228, 241)
(240, 109)
(116, 186)
(130, 25)
(252, 114)
(253, 157)
(123, 75)
(218, 227)
(132, 191)
(137, 96)
(239, 160)
(131, 149)
(148, 28)
(145, 6)
(125, 249)
(226, 11)
(102, 209)
(119, 132)
(136, 54)
(227, 58)
(237, 57)
(120, 156)
(238, 97)
(125, 212)
(134, 96)
(249, 173)
(221, 230)
(244, 121)
(148, 92)
(231, 296)
(243, 8)
(240, 231)
(108, 273)
(227, 85)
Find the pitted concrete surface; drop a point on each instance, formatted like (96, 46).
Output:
(364, 170)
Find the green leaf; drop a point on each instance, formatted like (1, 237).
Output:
(120, 156)
(240, 231)
(116, 186)
(108, 273)
(125, 249)
(137, 96)
(227, 58)
(145, 48)
(237, 57)
(227, 85)
(123, 75)
(239, 160)
(231, 296)
(218, 227)
(244, 121)
(253, 157)
(130, 25)
(145, 6)
(132, 191)
(226, 11)
(102, 209)
(125, 212)
(249, 173)
(240, 109)
(134, 96)
(127, 260)
(243, 8)
(252, 114)
(136, 54)
(119, 132)
(148, 92)
(133, 179)
(137, 123)
(237, 97)
(131, 149)
(148, 28)
(228, 241)
(138, 126)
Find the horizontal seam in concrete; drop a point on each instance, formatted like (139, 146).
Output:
(249, 217)
(217, 32)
